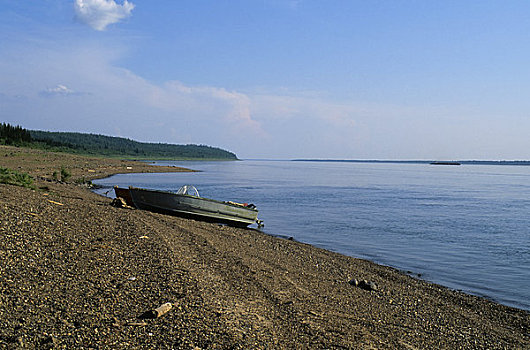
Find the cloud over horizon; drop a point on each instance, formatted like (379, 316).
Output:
(113, 100)
(80, 87)
(110, 99)
(98, 14)
(59, 90)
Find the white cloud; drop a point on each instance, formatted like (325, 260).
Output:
(112, 100)
(230, 106)
(59, 90)
(119, 102)
(98, 14)
(101, 97)
(305, 108)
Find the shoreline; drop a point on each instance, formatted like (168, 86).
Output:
(506, 286)
(78, 272)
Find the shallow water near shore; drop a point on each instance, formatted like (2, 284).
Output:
(465, 227)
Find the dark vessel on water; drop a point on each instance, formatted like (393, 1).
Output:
(445, 163)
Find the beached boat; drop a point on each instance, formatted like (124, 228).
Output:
(187, 202)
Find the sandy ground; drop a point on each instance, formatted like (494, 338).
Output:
(43, 164)
(76, 272)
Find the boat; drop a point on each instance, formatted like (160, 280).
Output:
(187, 202)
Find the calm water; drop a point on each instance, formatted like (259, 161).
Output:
(465, 227)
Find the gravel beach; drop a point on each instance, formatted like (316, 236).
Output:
(78, 273)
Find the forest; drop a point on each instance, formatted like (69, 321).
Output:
(13, 135)
(110, 146)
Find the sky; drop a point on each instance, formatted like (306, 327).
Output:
(276, 79)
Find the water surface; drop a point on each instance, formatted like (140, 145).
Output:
(465, 227)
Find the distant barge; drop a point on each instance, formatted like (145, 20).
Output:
(445, 163)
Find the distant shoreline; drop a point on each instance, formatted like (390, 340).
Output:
(428, 162)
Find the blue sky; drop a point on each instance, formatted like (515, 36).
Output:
(276, 78)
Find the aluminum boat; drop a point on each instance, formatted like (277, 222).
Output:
(187, 202)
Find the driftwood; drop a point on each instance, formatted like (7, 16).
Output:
(119, 202)
(156, 313)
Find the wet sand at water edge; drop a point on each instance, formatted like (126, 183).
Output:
(76, 272)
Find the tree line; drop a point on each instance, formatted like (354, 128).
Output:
(94, 144)
(12, 135)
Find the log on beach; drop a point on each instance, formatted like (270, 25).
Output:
(72, 274)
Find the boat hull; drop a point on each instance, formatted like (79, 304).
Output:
(193, 207)
(125, 194)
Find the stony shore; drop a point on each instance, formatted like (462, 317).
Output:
(77, 273)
